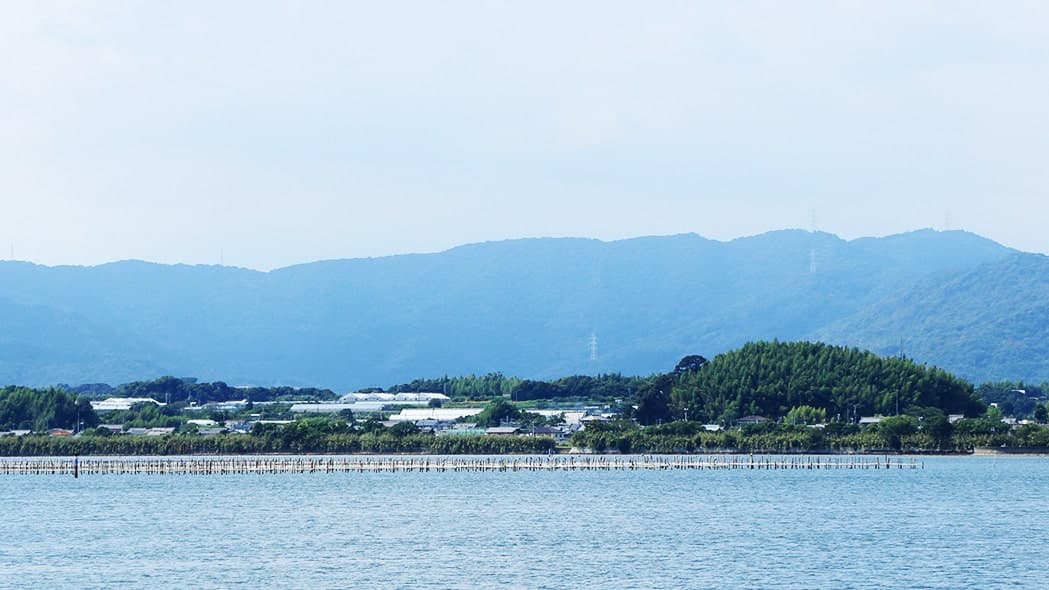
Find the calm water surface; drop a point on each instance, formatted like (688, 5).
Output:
(959, 523)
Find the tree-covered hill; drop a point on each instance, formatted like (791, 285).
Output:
(770, 378)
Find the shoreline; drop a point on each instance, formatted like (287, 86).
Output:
(1011, 452)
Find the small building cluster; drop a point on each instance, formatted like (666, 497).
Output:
(417, 409)
(121, 404)
(393, 397)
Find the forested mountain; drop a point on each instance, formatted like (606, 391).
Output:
(39, 343)
(522, 307)
(989, 323)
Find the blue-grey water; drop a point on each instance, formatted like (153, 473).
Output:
(958, 523)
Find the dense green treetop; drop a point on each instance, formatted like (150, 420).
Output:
(1014, 398)
(466, 387)
(22, 408)
(495, 413)
(771, 378)
(598, 388)
(174, 389)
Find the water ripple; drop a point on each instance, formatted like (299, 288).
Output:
(960, 523)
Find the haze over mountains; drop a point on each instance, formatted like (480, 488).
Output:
(529, 308)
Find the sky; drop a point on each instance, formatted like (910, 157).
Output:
(262, 134)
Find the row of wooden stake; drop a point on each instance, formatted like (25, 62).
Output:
(232, 465)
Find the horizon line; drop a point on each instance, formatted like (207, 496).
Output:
(522, 239)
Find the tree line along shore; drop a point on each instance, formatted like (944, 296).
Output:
(766, 397)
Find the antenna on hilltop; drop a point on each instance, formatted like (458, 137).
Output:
(593, 347)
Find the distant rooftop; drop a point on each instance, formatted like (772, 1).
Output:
(121, 403)
(390, 397)
(441, 414)
(321, 408)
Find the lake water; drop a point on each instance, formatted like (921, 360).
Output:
(968, 522)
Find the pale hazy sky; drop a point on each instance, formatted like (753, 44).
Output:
(274, 133)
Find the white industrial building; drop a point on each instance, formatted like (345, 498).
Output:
(355, 407)
(321, 408)
(439, 414)
(115, 404)
(393, 397)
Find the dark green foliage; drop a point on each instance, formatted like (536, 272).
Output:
(22, 408)
(693, 362)
(91, 389)
(770, 378)
(174, 390)
(309, 436)
(1015, 399)
(593, 388)
(653, 401)
(934, 425)
(301, 436)
(531, 390)
(1031, 435)
(806, 415)
(372, 426)
(897, 434)
(597, 388)
(1041, 414)
(495, 413)
(685, 437)
(468, 387)
(894, 428)
(403, 429)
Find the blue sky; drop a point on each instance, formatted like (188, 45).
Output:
(265, 134)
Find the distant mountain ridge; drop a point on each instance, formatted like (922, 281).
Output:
(990, 323)
(525, 307)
